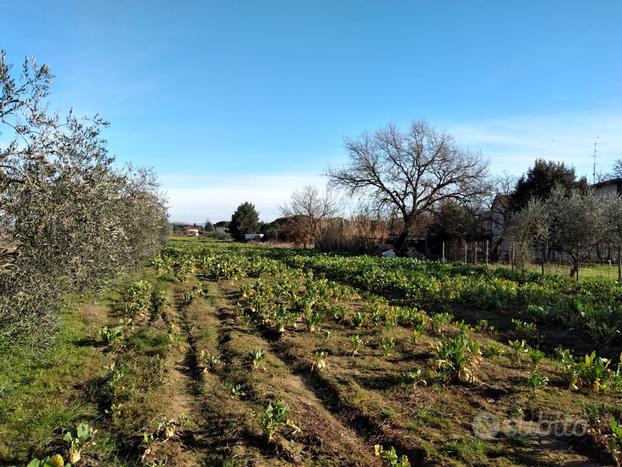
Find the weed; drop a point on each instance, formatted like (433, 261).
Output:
(111, 334)
(54, 461)
(455, 354)
(520, 348)
(275, 415)
(357, 344)
(415, 378)
(319, 357)
(256, 357)
(76, 439)
(536, 356)
(536, 380)
(387, 345)
(357, 319)
(439, 321)
(389, 457)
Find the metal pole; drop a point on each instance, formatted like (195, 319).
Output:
(512, 255)
(486, 252)
(466, 259)
(475, 253)
(619, 266)
(443, 254)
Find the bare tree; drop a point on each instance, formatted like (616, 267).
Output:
(504, 184)
(307, 210)
(411, 172)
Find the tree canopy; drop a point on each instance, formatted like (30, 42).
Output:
(69, 218)
(244, 220)
(411, 172)
(541, 179)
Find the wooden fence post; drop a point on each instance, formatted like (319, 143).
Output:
(512, 256)
(486, 252)
(466, 259)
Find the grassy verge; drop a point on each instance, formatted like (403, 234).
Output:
(42, 395)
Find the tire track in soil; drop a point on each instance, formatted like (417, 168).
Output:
(183, 390)
(369, 429)
(222, 434)
(328, 436)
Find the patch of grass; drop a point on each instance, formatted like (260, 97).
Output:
(149, 342)
(390, 413)
(40, 393)
(471, 450)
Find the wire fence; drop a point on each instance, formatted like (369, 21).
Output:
(603, 264)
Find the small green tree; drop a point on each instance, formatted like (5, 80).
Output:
(244, 220)
(541, 179)
(209, 227)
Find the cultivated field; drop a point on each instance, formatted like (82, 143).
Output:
(230, 354)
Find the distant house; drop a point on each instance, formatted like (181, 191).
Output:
(608, 187)
(190, 231)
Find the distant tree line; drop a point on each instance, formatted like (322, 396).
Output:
(69, 219)
(419, 184)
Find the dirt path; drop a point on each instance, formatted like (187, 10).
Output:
(324, 436)
(226, 429)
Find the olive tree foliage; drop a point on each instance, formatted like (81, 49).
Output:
(577, 224)
(306, 213)
(529, 228)
(411, 172)
(570, 221)
(68, 218)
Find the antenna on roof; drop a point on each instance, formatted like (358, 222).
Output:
(594, 156)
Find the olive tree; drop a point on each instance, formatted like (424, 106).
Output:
(411, 172)
(69, 218)
(577, 224)
(612, 212)
(529, 228)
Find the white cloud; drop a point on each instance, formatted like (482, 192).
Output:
(512, 144)
(196, 198)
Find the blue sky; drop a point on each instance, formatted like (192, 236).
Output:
(237, 100)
